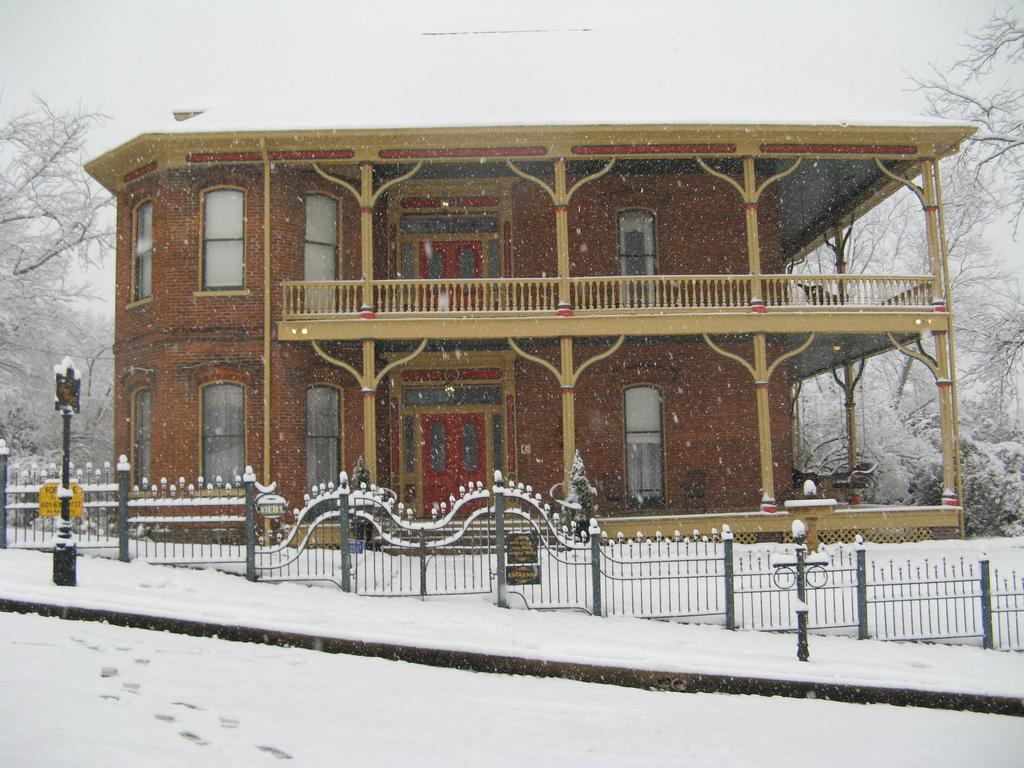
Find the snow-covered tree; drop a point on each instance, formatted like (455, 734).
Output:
(50, 221)
(581, 497)
(360, 475)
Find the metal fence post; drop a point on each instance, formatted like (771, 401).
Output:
(343, 526)
(729, 575)
(799, 537)
(4, 452)
(595, 566)
(123, 478)
(987, 640)
(862, 590)
(499, 541)
(423, 564)
(250, 523)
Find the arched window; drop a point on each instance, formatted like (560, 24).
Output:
(223, 431)
(321, 249)
(645, 477)
(322, 436)
(142, 410)
(636, 243)
(143, 288)
(223, 240)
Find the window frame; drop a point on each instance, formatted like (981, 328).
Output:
(653, 502)
(306, 242)
(651, 259)
(202, 427)
(136, 296)
(204, 287)
(138, 475)
(337, 436)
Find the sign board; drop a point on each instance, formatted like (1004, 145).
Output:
(49, 501)
(522, 575)
(520, 548)
(356, 546)
(68, 388)
(522, 567)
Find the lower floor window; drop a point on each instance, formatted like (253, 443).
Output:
(223, 432)
(141, 414)
(322, 436)
(645, 478)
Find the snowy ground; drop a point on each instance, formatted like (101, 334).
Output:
(159, 699)
(85, 694)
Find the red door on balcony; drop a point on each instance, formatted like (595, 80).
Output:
(451, 259)
(453, 454)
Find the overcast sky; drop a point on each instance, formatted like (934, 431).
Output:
(137, 61)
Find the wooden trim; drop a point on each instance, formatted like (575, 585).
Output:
(453, 144)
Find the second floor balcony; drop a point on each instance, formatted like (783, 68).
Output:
(694, 303)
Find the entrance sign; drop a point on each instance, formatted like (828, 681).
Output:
(522, 575)
(49, 501)
(521, 552)
(521, 548)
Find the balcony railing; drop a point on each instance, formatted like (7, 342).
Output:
(628, 294)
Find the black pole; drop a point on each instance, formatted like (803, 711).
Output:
(64, 566)
(802, 652)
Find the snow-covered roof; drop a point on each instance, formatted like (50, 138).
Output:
(458, 75)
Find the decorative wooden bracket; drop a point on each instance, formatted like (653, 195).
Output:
(569, 379)
(557, 197)
(750, 196)
(368, 381)
(366, 197)
(929, 362)
(919, 191)
(751, 369)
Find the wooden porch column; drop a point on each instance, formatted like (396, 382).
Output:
(560, 197)
(369, 410)
(931, 219)
(366, 201)
(568, 387)
(944, 383)
(561, 200)
(764, 426)
(750, 196)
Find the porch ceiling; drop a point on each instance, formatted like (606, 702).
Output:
(823, 356)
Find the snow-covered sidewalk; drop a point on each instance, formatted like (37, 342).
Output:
(473, 624)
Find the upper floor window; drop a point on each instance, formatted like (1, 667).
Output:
(636, 243)
(322, 436)
(223, 239)
(143, 252)
(321, 253)
(142, 409)
(223, 431)
(645, 478)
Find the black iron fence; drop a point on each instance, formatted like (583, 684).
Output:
(507, 542)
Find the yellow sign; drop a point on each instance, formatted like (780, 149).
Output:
(49, 501)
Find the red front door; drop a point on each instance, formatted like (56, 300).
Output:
(453, 454)
(451, 259)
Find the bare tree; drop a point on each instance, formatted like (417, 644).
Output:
(985, 87)
(52, 218)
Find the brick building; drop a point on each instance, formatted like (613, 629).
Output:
(446, 302)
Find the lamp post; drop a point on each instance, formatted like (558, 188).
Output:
(802, 572)
(68, 386)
